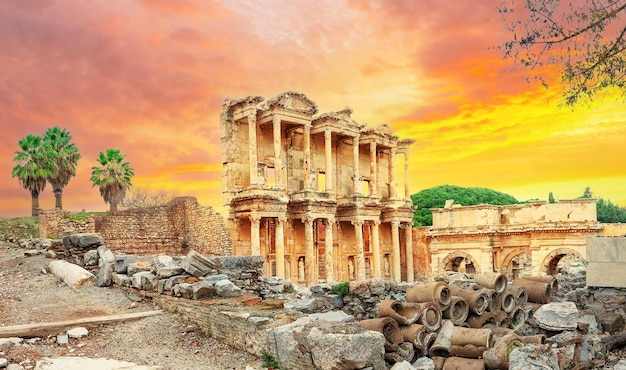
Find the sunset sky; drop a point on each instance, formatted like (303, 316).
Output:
(148, 77)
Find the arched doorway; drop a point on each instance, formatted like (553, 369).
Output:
(459, 262)
(558, 258)
(517, 264)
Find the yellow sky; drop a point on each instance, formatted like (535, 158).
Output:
(149, 78)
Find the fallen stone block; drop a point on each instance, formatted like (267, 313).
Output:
(332, 316)
(225, 288)
(121, 280)
(197, 264)
(611, 322)
(105, 275)
(557, 316)
(90, 258)
(138, 266)
(424, 363)
(203, 289)
(84, 240)
(302, 305)
(172, 282)
(215, 278)
(105, 255)
(63, 340)
(77, 333)
(533, 357)
(32, 252)
(5, 343)
(144, 280)
(404, 365)
(122, 262)
(72, 275)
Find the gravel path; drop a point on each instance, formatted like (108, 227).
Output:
(28, 296)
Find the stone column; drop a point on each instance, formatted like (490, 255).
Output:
(358, 232)
(307, 156)
(410, 274)
(309, 266)
(252, 150)
(328, 155)
(280, 247)
(373, 170)
(392, 174)
(395, 251)
(255, 235)
(355, 156)
(376, 267)
(407, 194)
(328, 245)
(278, 162)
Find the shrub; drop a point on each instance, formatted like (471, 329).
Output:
(341, 288)
(268, 360)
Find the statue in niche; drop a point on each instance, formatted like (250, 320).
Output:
(301, 269)
(386, 265)
(351, 267)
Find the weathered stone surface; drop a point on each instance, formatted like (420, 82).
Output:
(90, 258)
(215, 278)
(85, 240)
(424, 363)
(203, 289)
(73, 275)
(121, 280)
(138, 266)
(533, 357)
(3, 363)
(105, 275)
(145, 280)
(183, 290)
(167, 272)
(171, 282)
(332, 316)
(302, 305)
(8, 342)
(590, 322)
(591, 348)
(237, 262)
(346, 351)
(197, 264)
(78, 332)
(621, 365)
(320, 288)
(32, 252)
(611, 322)
(557, 316)
(166, 266)
(402, 366)
(225, 288)
(16, 367)
(105, 255)
(122, 262)
(63, 340)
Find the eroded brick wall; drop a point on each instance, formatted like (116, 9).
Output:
(53, 224)
(173, 229)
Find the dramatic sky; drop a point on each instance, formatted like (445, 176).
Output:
(148, 77)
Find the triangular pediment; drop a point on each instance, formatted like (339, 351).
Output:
(294, 101)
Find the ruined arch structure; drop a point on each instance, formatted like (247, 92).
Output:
(519, 240)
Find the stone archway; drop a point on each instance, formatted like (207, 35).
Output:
(516, 264)
(550, 263)
(454, 262)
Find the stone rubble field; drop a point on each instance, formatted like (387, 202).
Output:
(454, 322)
(28, 296)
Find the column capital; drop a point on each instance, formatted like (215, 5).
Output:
(376, 222)
(395, 223)
(357, 222)
(327, 134)
(255, 218)
(281, 219)
(308, 219)
(329, 220)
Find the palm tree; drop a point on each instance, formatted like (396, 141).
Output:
(65, 156)
(33, 167)
(113, 177)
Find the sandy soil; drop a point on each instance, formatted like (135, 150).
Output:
(28, 296)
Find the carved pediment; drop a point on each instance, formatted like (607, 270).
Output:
(294, 101)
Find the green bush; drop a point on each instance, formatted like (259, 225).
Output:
(341, 288)
(268, 360)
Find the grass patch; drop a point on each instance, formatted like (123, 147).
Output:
(268, 360)
(82, 216)
(19, 227)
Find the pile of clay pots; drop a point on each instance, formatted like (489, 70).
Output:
(465, 325)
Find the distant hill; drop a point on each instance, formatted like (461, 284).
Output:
(436, 197)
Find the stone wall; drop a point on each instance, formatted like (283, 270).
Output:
(174, 229)
(606, 262)
(54, 225)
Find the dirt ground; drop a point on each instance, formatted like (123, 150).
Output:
(29, 296)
